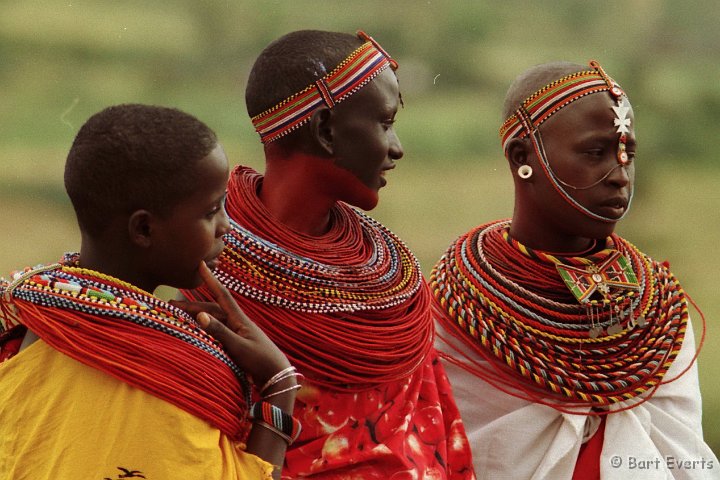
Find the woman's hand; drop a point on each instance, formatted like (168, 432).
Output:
(253, 352)
(242, 340)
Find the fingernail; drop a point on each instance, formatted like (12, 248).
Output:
(203, 319)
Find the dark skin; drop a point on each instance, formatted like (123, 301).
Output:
(341, 155)
(143, 248)
(253, 352)
(148, 250)
(581, 144)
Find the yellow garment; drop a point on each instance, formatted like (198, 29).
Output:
(60, 419)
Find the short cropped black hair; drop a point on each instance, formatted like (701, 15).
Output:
(130, 157)
(292, 62)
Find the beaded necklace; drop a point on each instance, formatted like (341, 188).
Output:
(510, 304)
(350, 308)
(132, 335)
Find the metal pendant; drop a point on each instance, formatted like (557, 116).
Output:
(614, 329)
(595, 332)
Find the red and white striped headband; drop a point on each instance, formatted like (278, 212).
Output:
(542, 104)
(353, 73)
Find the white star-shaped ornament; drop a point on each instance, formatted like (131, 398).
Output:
(621, 113)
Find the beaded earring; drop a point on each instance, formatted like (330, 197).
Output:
(525, 171)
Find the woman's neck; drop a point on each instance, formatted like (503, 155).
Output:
(295, 191)
(106, 257)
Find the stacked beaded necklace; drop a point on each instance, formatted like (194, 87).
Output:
(349, 76)
(510, 304)
(349, 308)
(130, 334)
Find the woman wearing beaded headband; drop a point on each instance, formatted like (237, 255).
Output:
(341, 295)
(570, 351)
(98, 377)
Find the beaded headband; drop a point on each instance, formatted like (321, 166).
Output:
(539, 106)
(542, 104)
(353, 73)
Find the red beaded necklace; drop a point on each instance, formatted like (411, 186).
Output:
(131, 335)
(349, 308)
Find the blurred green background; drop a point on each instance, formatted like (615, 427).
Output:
(61, 61)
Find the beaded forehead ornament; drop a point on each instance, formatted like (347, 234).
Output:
(542, 104)
(353, 73)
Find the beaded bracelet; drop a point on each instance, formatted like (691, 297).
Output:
(277, 432)
(276, 420)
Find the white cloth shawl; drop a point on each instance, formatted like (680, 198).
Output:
(515, 439)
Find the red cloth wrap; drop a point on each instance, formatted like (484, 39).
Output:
(587, 466)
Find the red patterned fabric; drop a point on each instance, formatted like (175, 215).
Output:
(409, 429)
(352, 312)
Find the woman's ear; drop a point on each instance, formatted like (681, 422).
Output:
(321, 129)
(517, 152)
(140, 228)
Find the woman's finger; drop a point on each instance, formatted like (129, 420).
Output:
(231, 342)
(194, 308)
(236, 318)
(217, 290)
(257, 356)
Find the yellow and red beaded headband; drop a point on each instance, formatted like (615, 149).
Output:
(353, 73)
(542, 104)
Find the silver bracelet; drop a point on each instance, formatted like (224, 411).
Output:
(290, 371)
(289, 389)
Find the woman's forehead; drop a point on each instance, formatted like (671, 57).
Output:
(598, 110)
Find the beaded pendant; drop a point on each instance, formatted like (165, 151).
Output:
(607, 279)
(546, 344)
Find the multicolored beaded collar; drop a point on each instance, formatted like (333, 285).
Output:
(509, 305)
(353, 73)
(131, 335)
(299, 283)
(550, 99)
